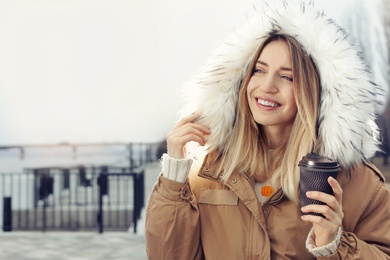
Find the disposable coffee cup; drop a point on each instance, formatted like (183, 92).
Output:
(315, 171)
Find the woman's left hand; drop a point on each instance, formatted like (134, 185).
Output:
(325, 229)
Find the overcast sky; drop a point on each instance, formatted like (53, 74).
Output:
(104, 70)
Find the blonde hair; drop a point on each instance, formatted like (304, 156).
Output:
(247, 149)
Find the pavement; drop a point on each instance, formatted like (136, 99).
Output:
(71, 246)
(84, 245)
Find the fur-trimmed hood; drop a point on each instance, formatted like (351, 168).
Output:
(348, 98)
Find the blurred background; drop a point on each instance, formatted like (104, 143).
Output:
(90, 88)
(111, 71)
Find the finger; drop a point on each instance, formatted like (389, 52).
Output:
(337, 190)
(175, 146)
(322, 222)
(320, 196)
(325, 210)
(197, 126)
(328, 199)
(189, 125)
(191, 137)
(188, 119)
(316, 220)
(189, 129)
(180, 141)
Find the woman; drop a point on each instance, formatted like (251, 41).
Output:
(288, 83)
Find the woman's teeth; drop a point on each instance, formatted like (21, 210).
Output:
(267, 103)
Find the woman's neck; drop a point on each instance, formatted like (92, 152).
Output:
(276, 136)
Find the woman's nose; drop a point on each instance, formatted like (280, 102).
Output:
(269, 84)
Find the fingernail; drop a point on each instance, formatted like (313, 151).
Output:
(309, 193)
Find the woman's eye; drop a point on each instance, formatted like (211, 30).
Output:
(258, 70)
(287, 78)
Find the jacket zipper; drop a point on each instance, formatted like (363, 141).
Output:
(271, 202)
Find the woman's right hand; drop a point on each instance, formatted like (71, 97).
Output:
(186, 130)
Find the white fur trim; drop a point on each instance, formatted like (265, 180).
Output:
(349, 98)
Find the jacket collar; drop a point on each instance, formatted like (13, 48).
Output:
(210, 167)
(209, 170)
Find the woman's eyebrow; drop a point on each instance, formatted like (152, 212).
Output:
(265, 64)
(261, 63)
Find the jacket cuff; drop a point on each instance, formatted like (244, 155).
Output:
(326, 250)
(176, 169)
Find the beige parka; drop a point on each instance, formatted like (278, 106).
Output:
(206, 219)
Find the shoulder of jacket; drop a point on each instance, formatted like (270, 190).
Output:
(361, 179)
(362, 172)
(375, 170)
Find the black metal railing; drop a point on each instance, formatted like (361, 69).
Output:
(82, 197)
(138, 194)
(72, 198)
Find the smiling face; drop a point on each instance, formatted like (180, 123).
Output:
(270, 89)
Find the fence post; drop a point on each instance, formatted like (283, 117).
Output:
(7, 214)
(141, 192)
(45, 188)
(138, 178)
(36, 188)
(103, 190)
(65, 179)
(141, 153)
(131, 160)
(135, 195)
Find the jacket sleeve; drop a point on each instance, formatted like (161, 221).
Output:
(371, 238)
(172, 226)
